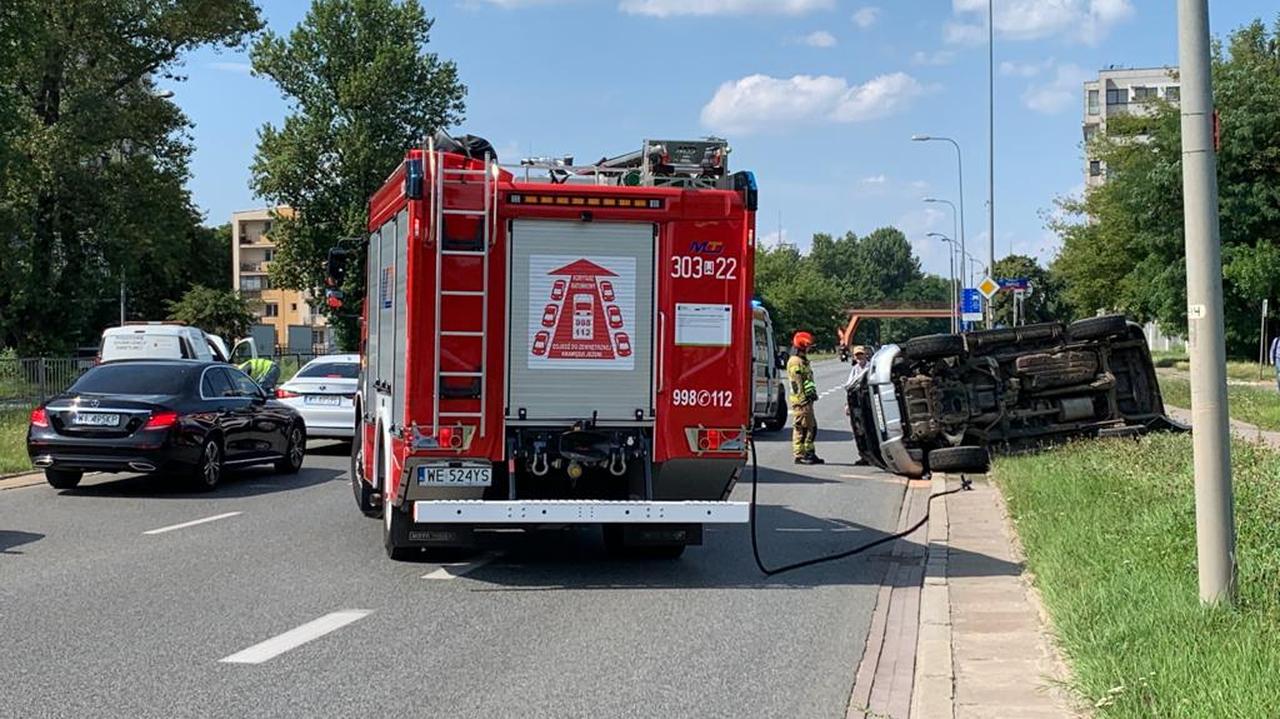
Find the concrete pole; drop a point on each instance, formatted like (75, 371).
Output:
(1262, 340)
(122, 303)
(1206, 342)
(991, 148)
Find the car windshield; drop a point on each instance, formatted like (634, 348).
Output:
(140, 378)
(334, 370)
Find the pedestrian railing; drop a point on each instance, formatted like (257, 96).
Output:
(27, 381)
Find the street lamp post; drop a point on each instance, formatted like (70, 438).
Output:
(959, 175)
(954, 225)
(951, 264)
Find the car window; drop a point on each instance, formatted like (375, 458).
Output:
(136, 378)
(242, 353)
(343, 370)
(216, 384)
(244, 387)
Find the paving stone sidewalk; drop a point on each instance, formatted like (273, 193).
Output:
(1243, 429)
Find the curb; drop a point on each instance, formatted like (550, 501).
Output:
(16, 481)
(933, 688)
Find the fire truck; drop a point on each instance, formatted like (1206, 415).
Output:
(550, 344)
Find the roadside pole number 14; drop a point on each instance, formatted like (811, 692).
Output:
(696, 268)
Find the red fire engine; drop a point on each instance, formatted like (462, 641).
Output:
(550, 344)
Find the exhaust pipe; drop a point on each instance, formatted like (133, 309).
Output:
(43, 461)
(142, 466)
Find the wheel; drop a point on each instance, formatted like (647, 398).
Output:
(362, 490)
(295, 451)
(63, 478)
(960, 460)
(395, 533)
(933, 347)
(208, 472)
(1096, 328)
(779, 418)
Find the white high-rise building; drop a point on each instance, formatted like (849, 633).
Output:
(1121, 91)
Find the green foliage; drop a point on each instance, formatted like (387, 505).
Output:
(222, 312)
(1044, 304)
(13, 441)
(1131, 256)
(363, 92)
(1109, 533)
(93, 161)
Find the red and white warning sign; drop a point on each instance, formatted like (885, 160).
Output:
(581, 312)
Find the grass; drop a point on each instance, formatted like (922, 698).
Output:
(1242, 370)
(1258, 405)
(13, 441)
(1109, 532)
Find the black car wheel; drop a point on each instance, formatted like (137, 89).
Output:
(362, 490)
(957, 460)
(933, 347)
(779, 419)
(395, 533)
(208, 472)
(294, 452)
(1096, 328)
(63, 478)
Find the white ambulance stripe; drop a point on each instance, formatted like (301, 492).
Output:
(453, 570)
(192, 523)
(314, 629)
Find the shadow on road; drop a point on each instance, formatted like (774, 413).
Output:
(12, 538)
(248, 482)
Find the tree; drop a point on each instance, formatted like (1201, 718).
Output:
(93, 159)
(221, 312)
(363, 92)
(1123, 245)
(1045, 303)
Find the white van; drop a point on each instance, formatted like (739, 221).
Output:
(167, 340)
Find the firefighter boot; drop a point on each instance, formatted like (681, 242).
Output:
(806, 459)
(814, 458)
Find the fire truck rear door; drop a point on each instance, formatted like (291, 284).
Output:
(581, 321)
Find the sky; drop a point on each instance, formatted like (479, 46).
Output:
(819, 98)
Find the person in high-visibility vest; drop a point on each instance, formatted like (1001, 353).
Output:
(263, 371)
(802, 396)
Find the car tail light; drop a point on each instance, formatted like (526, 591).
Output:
(455, 437)
(282, 393)
(162, 420)
(704, 439)
(39, 418)
(450, 437)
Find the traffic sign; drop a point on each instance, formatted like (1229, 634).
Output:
(1014, 283)
(971, 305)
(988, 287)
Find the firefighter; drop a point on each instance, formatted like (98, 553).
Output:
(263, 371)
(804, 393)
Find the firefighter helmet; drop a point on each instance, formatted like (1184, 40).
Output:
(802, 339)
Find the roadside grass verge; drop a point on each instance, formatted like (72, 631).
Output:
(1109, 532)
(1257, 405)
(13, 441)
(1242, 370)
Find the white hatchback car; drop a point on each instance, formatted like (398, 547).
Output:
(324, 392)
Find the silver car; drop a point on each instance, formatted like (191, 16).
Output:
(323, 392)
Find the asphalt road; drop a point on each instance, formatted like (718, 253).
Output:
(103, 616)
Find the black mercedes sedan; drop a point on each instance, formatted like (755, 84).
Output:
(184, 417)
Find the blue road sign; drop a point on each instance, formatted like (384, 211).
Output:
(971, 304)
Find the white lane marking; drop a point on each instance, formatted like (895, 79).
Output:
(453, 570)
(296, 637)
(192, 523)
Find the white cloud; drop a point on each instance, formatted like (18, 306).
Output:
(820, 38)
(1058, 93)
(775, 238)
(510, 4)
(1024, 69)
(757, 102)
(936, 58)
(671, 8)
(875, 180)
(243, 68)
(919, 185)
(865, 17)
(1085, 21)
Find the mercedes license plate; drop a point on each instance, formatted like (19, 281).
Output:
(324, 400)
(455, 476)
(95, 419)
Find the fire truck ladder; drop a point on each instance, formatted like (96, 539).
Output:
(479, 245)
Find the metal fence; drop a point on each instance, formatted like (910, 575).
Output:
(26, 382)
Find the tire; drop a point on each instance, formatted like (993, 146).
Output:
(295, 450)
(361, 489)
(63, 478)
(1096, 328)
(960, 460)
(779, 419)
(933, 347)
(395, 534)
(208, 471)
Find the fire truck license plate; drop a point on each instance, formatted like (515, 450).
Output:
(456, 476)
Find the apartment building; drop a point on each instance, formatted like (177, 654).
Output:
(285, 318)
(1121, 91)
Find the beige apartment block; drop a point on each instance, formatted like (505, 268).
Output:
(294, 326)
(1121, 91)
